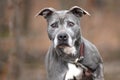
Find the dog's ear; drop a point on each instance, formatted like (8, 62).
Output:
(46, 12)
(77, 11)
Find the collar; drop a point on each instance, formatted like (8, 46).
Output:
(77, 62)
(82, 46)
(81, 53)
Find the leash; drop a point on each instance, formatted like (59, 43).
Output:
(77, 62)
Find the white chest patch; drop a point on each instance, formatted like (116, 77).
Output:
(70, 50)
(73, 71)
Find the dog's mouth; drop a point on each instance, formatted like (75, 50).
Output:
(67, 49)
(62, 45)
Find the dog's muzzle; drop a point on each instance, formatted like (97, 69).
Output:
(62, 40)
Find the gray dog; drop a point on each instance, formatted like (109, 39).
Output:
(70, 56)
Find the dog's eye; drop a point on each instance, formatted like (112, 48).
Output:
(70, 24)
(54, 25)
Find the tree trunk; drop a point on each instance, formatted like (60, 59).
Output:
(15, 24)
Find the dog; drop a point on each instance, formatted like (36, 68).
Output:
(70, 56)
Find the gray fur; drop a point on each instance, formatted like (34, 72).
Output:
(56, 59)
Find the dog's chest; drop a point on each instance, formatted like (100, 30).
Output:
(73, 72)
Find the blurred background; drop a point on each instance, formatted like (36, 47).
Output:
(24, 41)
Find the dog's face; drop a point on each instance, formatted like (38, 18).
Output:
(63, 26)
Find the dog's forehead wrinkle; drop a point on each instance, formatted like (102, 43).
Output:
(63, 16)
(73, 18)
(57, 17)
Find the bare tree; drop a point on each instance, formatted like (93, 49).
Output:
(15, 24)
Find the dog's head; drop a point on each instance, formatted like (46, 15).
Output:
(64, 25)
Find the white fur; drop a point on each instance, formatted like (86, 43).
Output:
(55, 42)
(70, 50)
(70, 41)
(73, 71)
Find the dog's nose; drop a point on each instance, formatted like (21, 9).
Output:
(63, 37)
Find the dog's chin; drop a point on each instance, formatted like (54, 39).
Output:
(63, 45)
(67, 48)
